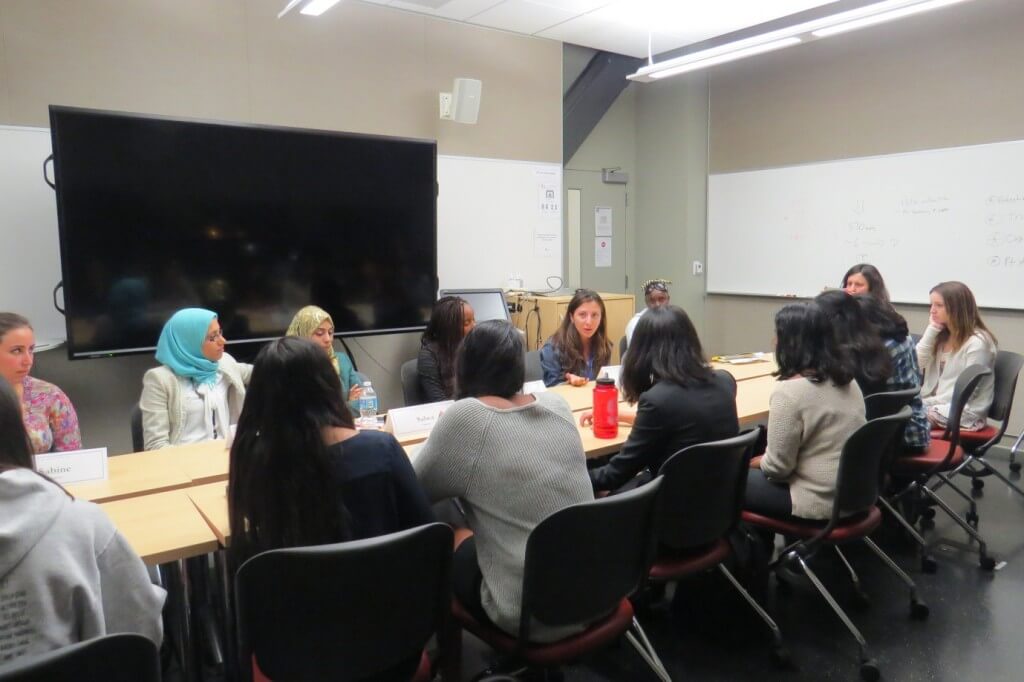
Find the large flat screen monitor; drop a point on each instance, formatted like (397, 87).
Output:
(252, 222)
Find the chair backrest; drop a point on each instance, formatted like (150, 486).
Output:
(122, 657)
(963, 389)
(883, 404)
(622, 347)
(534, 372)
(344, 611)
(138, 438)
(860, 463)
(411, 394)
(1007, 369)
(702, 491)
(583, 560)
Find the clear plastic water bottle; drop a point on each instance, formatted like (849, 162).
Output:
(368, 405)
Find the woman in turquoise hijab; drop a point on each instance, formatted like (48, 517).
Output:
(315, 323)
(197, 391)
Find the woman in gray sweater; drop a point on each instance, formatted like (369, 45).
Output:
(812, 411)
(513, 460)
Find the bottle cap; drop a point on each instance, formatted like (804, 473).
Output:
(366, 383)
(605, 380)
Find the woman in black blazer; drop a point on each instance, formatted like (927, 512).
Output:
(680, 400)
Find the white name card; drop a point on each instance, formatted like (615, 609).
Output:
(415, 421)
(74, 466)
(531, 387)
(613, 373)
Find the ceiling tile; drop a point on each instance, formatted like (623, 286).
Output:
(522, 16)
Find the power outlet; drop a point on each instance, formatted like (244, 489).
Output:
(445, 105)
(698, 268)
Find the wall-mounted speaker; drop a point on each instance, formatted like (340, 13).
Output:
(463, 103)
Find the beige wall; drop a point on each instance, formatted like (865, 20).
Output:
(946, 78)
(359, 67)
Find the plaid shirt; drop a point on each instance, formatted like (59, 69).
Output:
(907, 374)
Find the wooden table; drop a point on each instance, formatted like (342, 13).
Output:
(205, 462)
(751, 370)
(578, 397)
(752, 399)
(211, 500)
(162, 527)
(139, 473)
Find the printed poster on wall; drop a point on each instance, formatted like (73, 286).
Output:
(602, 252)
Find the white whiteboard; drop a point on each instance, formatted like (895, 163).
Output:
(495, 219)
(29, 245)
(921, 218)
(489, 214)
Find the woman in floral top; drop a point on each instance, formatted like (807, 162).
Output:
(49, 416)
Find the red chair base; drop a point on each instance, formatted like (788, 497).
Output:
(852, 528)
(554, 653)
(668, 567)
(911, 465)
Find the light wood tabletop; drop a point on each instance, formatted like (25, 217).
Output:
(751, 370)
(752, 399)
(162, 527)
(212, 502)
(138, 473)
(205, 462)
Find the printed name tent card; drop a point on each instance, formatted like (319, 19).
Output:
(410, 423)
(74, 466)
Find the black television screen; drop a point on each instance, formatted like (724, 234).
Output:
(252, 222)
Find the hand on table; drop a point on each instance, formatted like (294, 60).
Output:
(574, 380)
(587, 418)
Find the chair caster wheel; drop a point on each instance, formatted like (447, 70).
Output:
(977, 483)
(919, 610)
(987, 563)
(972, 519)
(928, 512)
(928, 564)
(1015, 466)
(781, 657)
(869, 671)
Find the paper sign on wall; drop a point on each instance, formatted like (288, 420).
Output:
(74, 466)
(603, 221)
(409, 423)
(602, 252)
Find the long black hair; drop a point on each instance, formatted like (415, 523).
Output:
(280, 486)
(568, 342)
(444, 332)
(491, 361)
(665, 347)
(15, 447)
(805, 346)
(891, 325)
(876, 285)
(859, 338)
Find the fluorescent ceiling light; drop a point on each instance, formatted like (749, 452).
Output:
(879, 18)
(313, 8)
(727, 57)
(790, 35)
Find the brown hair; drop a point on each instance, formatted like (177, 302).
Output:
(963, 318)
(876, 285)
(12, 321)
(568, 342)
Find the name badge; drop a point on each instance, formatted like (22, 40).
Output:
(74, 466)
(411, 423)
(531, 387)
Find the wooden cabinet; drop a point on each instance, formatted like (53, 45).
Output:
(539, 316)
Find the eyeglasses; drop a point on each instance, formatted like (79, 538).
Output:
(210, 338)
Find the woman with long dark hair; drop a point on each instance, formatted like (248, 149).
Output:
(680, 400)
(580, 347)
(300, 473)
(512, 459)
(451, 319)
(955, 339)
(893, 330)
(814, 408)
(864, 278)
(859, 339)
(66, 574)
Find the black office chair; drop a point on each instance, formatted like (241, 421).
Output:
(122, 657)
(702, 499)
(344, 611)
(622, 348)
(138, 438)
(856, 495)
(534, 372)
(411, 394)
(882, 405)
(582, 563)
(944, 456)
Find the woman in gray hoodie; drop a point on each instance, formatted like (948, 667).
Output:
(66, 574)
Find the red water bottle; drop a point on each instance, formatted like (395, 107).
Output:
(606, 408)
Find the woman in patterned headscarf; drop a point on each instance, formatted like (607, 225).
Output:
(197, 391)
(315, 323)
